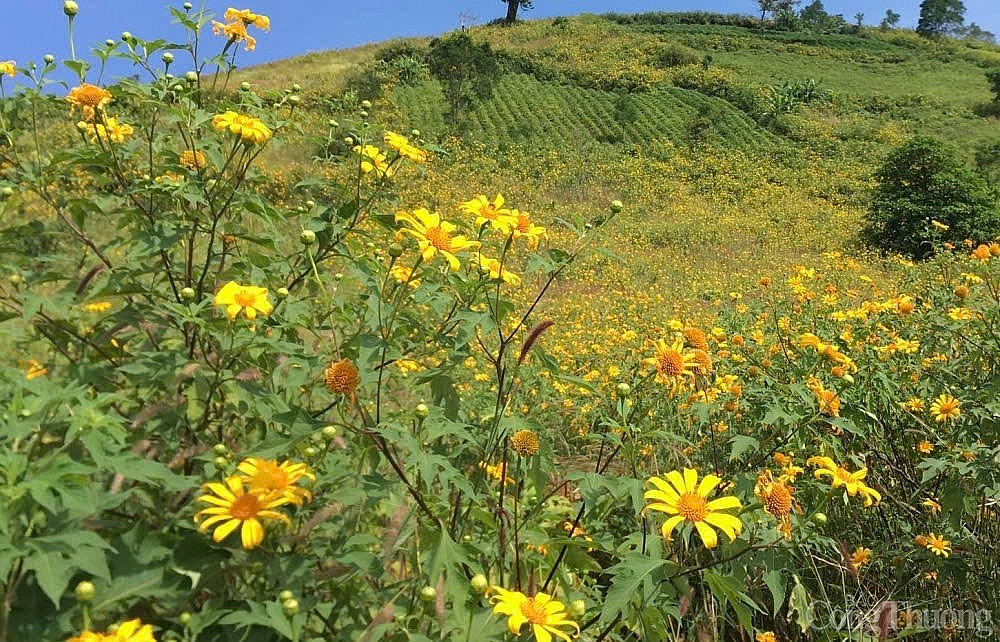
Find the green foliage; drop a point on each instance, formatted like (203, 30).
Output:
(467, 71)
(675, 55)
(940, 17)
(993, 77)
(889, 21)
(923, 181)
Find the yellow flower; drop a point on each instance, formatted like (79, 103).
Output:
(682, 497)
(524, 228)
(925, 447)
(829, 402)
(404, 148)
(946, 408)
(789, 473)
(860, 557)
(235, 32)
(250, 129)
(766, 636)
(403, 274)
(131, 631)
(248, 299)
(373, 160)
(932, 505)
(193, 160)
(914, 404)
(853, 483)
(8, 68)
(435, 236)
(35, 370)
(267, 475)
(110, 131)
(982, 253)
(248, 17)
(495, 471)
(497, 271)
(672, 362)
(90, 99)
(940, 225)
(97, 306)
(234, 507)
(961, 314)
(492, 212)
(342, 377)
(525, 443)
(777, 499)
(546, 616)
(937, 544)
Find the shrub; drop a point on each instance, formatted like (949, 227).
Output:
(466, 70)
(925, 196)
(675, 55)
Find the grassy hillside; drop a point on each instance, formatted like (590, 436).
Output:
(717, 193)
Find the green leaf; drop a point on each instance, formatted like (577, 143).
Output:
(52, 574)
(627, 579)
(776, 584)
(798, 603)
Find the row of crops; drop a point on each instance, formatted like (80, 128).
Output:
(524, 108)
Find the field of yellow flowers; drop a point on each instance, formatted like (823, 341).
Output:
(453, 391)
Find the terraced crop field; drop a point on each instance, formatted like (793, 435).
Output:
(524, 108)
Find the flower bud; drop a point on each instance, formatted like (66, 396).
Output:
(366, 104)
(220, 449)
(819, 518)
(577, 608)
(282, 293)
(109, 43)
(422, 411)
(329, 432)
(84, 591)
(187, 6)
(167, 57)
(395, 250)
(428, 594)
(310, 204)
(479, 583)
(286, 595)
(71, 8)
(294, 100)
(415, 133)
(617, 206)
(168, 77)
(15, 279)
(308, 237)
(221, 463)
(290, 607)
(49, 59)
(311, 451)
(188, 294)
(363, 113)
(6, 191)
(126, 36)
(185, 618)
(245, 86)
(191, 76)
(623, 389)
(296, 87)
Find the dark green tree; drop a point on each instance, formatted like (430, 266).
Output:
(940, 17)
(512, 7)
(921, 181)
(859, 19)
(467, 71)
(775, 7)
(890, 20)
(814, 15)
(993, 77)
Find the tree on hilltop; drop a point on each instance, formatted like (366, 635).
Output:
(512, 7)
(940, 17)
(890, 20)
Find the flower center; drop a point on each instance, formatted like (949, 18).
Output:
(843, 475)
(670, 363)
(692, 507)
(489, 212)
(523, 224)
(778, 501)
(533, 612)
(439, 238)
(245, 299)
(245, 507)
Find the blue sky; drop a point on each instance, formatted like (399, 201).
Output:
(31, 28)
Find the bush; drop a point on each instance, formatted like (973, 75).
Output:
(675, 55)
(467, 71)
(926, 196)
